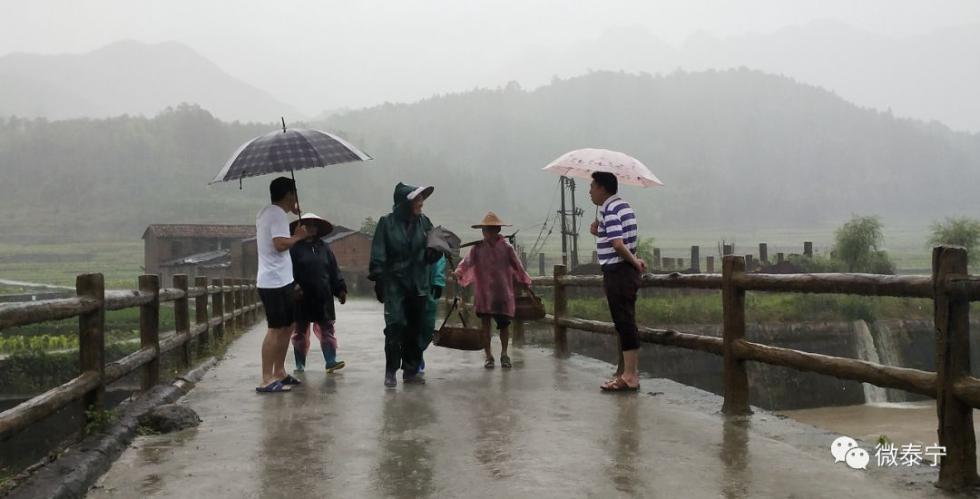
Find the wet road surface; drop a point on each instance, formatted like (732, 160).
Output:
(541, 429)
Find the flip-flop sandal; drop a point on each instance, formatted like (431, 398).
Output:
(290, 380)
(274, 387)
(505, 362)
(619, 386)
(488, 364)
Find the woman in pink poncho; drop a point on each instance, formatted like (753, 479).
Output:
(493, 267)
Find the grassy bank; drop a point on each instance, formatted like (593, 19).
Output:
(706, 308)
(59, 264)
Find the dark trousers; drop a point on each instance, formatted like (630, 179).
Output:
(402, 349)
(621, 281)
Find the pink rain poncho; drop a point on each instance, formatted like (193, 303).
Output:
(493, 268)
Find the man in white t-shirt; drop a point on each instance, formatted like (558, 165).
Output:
(275, 282)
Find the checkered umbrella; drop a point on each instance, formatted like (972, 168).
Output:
(287, 151)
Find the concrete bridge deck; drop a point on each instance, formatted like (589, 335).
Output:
(540, 430)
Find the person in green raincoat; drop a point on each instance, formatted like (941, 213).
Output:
(438, 283)
(400, 268)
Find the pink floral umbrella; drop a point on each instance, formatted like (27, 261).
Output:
(583, 162)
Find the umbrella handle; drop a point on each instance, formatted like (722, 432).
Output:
(298, 209)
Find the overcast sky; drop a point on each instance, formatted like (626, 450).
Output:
(318, 54)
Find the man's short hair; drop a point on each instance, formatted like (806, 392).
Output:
(607, 181)
(280, 187)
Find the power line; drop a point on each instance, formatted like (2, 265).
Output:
(534, 247)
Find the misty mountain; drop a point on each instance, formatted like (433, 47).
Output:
(128, 77)
(735, 147)
(738, 147)
(931, 76)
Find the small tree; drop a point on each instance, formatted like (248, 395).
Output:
(368, 226)
(644, 250)
(856, 244)
(958, 231)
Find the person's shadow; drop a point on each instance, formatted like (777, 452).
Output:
(495, 422)
(291, 464)
(405, 466)
(735, 457)
(623, 469)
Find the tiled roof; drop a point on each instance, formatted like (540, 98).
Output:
(199, 258)
(201, 230)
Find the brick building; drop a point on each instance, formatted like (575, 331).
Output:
(230, 251)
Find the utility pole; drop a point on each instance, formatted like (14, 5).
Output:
(569, 237)
(574, 233)
(564, 229)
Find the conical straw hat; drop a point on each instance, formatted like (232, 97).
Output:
(312, 219)
(491, 220)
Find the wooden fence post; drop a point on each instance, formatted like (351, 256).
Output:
(182, 319)
(733, 304)
(252, 299)
(239, 306)
(201, 316)
(727, 249)
(541, 264)
(764, 253)
(561, 310)
(696, 259)
(958, 469)
(518, 323)
(657, 264)
(780, 257)
(250, 315)
(710, 263)
(150, 329)
(218, 310)
(229, 304)
(749, 263)
(91, 339)
(519, 335)
(808, 249)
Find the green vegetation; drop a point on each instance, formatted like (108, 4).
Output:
(958, 231)
(60, 263)
(99, 420)
(749, 156)
(644, 249)
(369, 225)
(857, 244)
(706, 308)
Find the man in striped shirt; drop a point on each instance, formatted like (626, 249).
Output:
(616, 245)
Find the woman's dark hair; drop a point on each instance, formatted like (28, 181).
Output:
(607, 181)
(280, 187)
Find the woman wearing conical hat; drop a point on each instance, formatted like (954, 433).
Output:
(492, 267)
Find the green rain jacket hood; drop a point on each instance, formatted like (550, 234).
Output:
(398, 254)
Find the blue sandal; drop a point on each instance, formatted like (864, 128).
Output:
(274, 387)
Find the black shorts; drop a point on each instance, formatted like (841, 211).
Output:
(279, 306)
(502, 320)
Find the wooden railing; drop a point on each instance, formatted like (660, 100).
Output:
(234, 306)
(951, 289)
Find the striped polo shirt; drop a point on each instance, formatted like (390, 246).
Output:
(617, 221)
